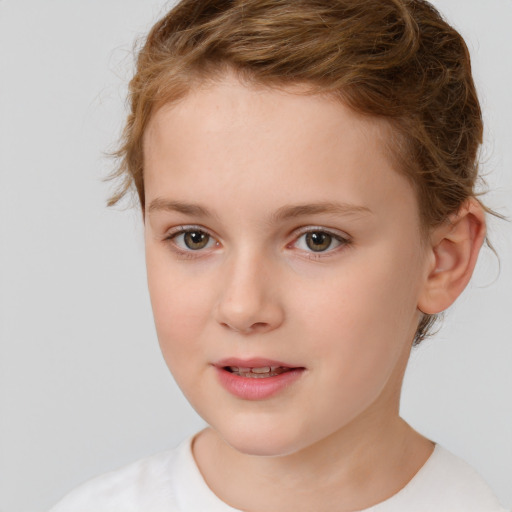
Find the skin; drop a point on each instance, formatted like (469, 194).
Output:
(332, 440)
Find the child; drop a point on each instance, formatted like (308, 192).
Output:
(306, 176)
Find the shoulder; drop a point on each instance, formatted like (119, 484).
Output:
(460, 483)
(144, 485)
(445, 483)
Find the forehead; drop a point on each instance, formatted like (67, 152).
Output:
(253, 140)
(225, 106)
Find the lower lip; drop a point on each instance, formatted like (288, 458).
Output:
(250, 388)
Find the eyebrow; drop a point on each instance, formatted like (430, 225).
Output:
(292, 211)
(284, 213)
(160, 204)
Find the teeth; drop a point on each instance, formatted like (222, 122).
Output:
(261, 372)
(263, 369)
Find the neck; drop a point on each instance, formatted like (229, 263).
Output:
(353, 469)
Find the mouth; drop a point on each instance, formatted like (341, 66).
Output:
(257, 378)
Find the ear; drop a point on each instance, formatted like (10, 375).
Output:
(453, 252)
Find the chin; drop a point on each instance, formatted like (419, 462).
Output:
(261, 447)
(263, 442)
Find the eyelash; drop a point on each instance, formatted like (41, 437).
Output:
(187, 254)
(342, 240)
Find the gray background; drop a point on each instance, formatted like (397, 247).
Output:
(83, 388)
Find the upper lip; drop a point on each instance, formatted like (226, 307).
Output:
(253, 362)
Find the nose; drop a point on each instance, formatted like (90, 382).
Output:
(249, 301)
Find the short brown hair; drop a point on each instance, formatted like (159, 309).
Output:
(393, 59)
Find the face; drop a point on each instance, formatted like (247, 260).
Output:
(284, 263)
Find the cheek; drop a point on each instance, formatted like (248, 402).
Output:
(366, 295)
(365, 315)
(181, 309)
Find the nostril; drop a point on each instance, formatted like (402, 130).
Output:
(256, 327)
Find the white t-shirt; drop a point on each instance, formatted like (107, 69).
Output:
(171, 482)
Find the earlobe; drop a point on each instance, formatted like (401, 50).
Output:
(454, 248)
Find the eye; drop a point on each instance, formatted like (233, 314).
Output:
(319, 241)
(192, 239)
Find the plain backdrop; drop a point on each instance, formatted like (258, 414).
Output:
(83, 388)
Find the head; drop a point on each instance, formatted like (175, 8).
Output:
(391, 127)
(401, 63)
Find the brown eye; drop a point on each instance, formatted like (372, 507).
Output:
(196, 240)
(318, 241)
(192, 239)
